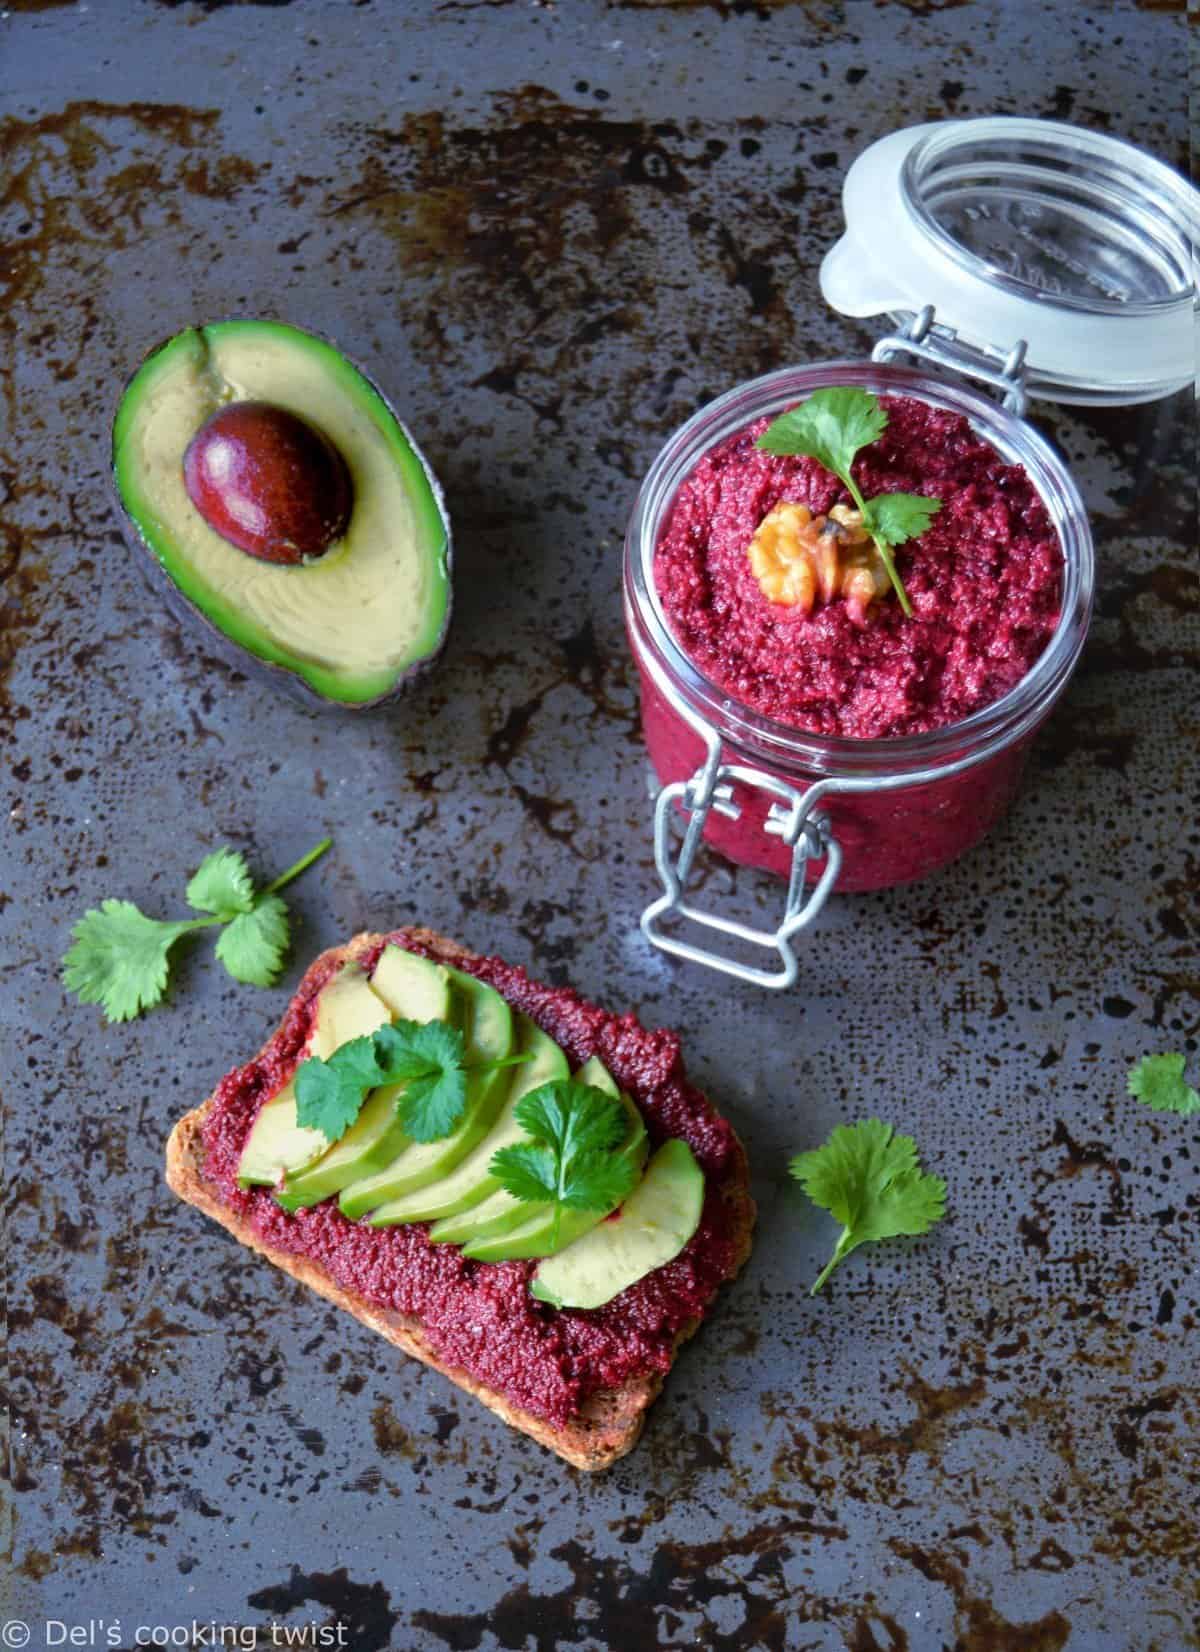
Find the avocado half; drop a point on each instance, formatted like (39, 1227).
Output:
(347, 630)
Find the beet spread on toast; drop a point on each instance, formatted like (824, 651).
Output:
(578, 1380)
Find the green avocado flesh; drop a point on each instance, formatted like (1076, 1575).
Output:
(651, 1228)
(412, 988)
(536, 1233)
(278, 1145)
(472, 1180)
(353, 623)
(488, 1032)
(417, 990)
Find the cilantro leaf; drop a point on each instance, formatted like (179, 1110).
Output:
(897, 517)
(568, 1161)
(1158, 1081)
(830, 427)
(407, 1049)
(119, 959)
(428, 1059)
(599, 1181)
(871, 1181)
(528, 1172)
(253, 944)
(572, 1118)
(432, 1105)
(357, 1060)
(221, 884)
(329, 1096)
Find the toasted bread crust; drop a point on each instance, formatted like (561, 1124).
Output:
(610, 1420)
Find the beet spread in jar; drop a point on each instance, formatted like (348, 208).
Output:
(917, 727)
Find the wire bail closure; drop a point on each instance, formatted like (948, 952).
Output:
(791, 817)
(925, 340)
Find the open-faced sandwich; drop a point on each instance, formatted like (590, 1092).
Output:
(511, 1184)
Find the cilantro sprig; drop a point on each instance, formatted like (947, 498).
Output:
(120, 960)
(568, 1161)
(871, 1181)
(832, 427)
(427, 1058)
(1158, 1081)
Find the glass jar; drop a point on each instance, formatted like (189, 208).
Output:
(811, 808)
(1011, 253)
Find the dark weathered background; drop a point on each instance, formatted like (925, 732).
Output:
(551, 231)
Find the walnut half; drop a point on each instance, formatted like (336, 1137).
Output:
(797, 557)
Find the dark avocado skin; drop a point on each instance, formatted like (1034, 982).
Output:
(216, 643)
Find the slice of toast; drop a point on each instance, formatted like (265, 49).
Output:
(609, 1421)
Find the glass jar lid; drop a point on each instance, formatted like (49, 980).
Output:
(1080, 244)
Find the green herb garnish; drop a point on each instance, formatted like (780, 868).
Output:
(870, 1179)
(426, 1058)
(832, 427)
(119, 956)
(569, 1161)
(1158, 1081)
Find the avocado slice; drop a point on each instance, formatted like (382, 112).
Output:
(489, 1036)
(419, 990)
(490, 1032)
(472, 1180)
(651, 1227)
(349, 627)
(595, 1073)
(410, 987)
(502, 1241)
(278, 1144)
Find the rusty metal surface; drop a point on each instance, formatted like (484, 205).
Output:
(551, 231)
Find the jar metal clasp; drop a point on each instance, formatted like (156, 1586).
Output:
(792, 817)
(927, 340)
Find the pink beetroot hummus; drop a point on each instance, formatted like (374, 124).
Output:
(479, 1316)
(984, 582)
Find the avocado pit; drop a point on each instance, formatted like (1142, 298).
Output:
(268, 482)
